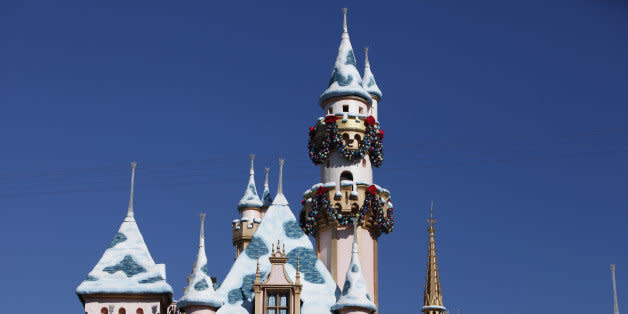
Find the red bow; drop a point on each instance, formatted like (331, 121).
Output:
(372, 189)
(311, 130)
(330, 119)
(370, 120)
(321, 190)
(381, 134)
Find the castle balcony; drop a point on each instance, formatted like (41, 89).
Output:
(346, 201)
(243, 230)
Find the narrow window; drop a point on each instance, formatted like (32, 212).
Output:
(358, 139)
(329, 110)
(277, 303)
(139, 311)
(361, 109)
(121, 311)
(364, 162)
(104, 311)
(345, 108)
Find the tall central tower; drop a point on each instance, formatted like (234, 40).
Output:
(346, 142)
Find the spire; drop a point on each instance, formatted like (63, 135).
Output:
(355, 291)
(368, 80)
(200, 290)
(130, 214)
(266, 198)
(280, 184)
(345, 77)
(250, 198)
(432, 297)
(615, 306)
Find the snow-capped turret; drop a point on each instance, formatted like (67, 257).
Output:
(355, 297)
(126, 269)
(200, 295)
(250, 207)
(250, 198)
(267, 199)
(370, 85)
(345, 79)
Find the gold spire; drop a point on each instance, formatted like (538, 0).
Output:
(432, 297)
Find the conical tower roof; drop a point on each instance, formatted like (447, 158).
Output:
(250, 198)
(368, 80)
(279, 223)
(126, 266)
(267, 199)
(432, 296)
(355, 291)
(200, 290)
(345, 78)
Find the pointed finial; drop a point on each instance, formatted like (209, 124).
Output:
(431, 221)
(344, 20)
(284, 249)
(298, 279)
(355, 235)
(130, 213)
(266, 170)
(252, 171)
(257, 279)
(367, 64)
(201, 241)
(280, 184)
(273, 249)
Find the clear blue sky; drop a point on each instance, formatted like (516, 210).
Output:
(510, 115)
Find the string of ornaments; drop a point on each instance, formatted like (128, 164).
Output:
(372, 143)
(383, 219)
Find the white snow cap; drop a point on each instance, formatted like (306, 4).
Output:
(355, 291)
(250, 198)
(126, 266)
(345, 78)
(368, 80)
(200, 290)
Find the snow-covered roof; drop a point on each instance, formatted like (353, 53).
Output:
(250, 198)
(279, 223)
(345, 77)
(126, 266)
(355, 291)
(200, 290)
(368, 80)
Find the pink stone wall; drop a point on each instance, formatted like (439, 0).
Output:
(94, 305)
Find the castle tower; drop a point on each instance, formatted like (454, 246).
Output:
(199, 296)
(250, 208)
(432, 297)
(355, 298)
(126, 279)
(346, 143)
(370, 85)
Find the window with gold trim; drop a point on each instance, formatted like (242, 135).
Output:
(277, 302)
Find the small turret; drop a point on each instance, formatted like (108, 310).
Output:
(267, 199)
(370, 85)
(199, 296)
(250, 207)
(355, 297)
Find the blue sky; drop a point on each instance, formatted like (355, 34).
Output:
(511, 116)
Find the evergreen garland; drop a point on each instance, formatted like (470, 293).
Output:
(321, 204)
(372, 144)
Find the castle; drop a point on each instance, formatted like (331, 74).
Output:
(277, 269)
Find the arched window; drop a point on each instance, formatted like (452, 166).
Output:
(345, 108)
(361, 109)
(139, 311)
(358, 138)
(121, 311)
(329, 110)
(346, 175)
(104, 311)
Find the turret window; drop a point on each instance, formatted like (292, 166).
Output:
(139, 311)
(345, 108)
(277, 303)
(361, 109)
(329, 110)
(104, 311)
(121, 311)
(346, 175)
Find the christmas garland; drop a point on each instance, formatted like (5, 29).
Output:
(371, 144)
(321, 204)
